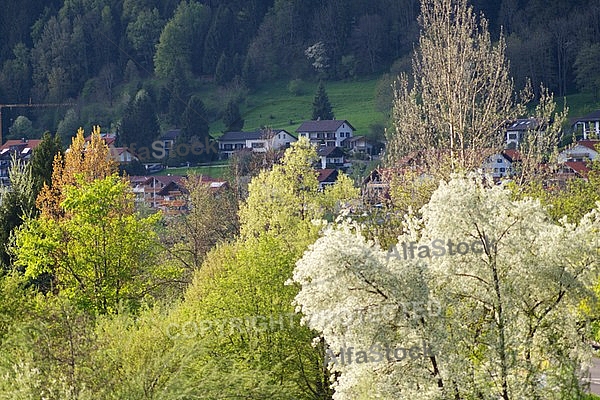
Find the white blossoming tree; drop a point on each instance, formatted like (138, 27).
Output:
(507, 322)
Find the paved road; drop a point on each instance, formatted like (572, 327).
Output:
(595, 376)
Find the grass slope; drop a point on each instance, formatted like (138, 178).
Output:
(272, 105)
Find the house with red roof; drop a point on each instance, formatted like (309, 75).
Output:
(21, 149)
(583, 150)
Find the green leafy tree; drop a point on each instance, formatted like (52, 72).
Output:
(182, 40)
(48, 353)
(67, 127)
(587, 70)
(321, 105)
(143, 32)
(100, 256)
(287, 198)
(15, 76)
(218, 38)
(21, 128)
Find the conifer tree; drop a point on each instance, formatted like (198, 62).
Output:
(321, 106)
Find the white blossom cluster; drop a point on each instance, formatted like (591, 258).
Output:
(509, 323)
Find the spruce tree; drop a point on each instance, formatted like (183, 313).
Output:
(139, 125)
(42, 160)
(232, 118)
(321, 106)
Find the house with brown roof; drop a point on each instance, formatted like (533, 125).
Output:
(332, 157)
(167, 192)
(327, 177)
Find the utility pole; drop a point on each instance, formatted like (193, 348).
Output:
(27, 105)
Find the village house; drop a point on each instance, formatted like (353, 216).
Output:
(583, 150)
(21, 149)
(327, 177)
(588, 126)
(358, 144)
(327, 133)
(517, 129)
(259, 141)
(166, 193)
(500, 165)
(332, 157)
(168, 140)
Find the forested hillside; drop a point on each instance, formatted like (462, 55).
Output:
(102, 52)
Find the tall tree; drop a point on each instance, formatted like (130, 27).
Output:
(587, 71)
(321, 105)
(139, 126)
(462, 93)
(89, 160)
(182, 39)
(100, 256)
(212, 219)
(15, 76)
(287, 198)
(177, 94)
(218, 38)
(232, 118)
(43, 159)
(143, 33)
(503, 307)
(194, 132)
(17, 203)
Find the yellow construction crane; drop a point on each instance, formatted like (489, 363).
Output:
(27, 105)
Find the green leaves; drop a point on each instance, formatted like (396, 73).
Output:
(101, 255)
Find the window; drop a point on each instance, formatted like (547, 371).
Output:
(258, 145)
(502, 169)
(495, 169)
(512, 136)
(499, 161)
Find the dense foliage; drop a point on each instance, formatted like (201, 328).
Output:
(261, 293)
(59, 51)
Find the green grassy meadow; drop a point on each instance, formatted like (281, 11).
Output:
(272, 105)
(217, 171)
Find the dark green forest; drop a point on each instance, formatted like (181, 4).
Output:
(81, 52)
